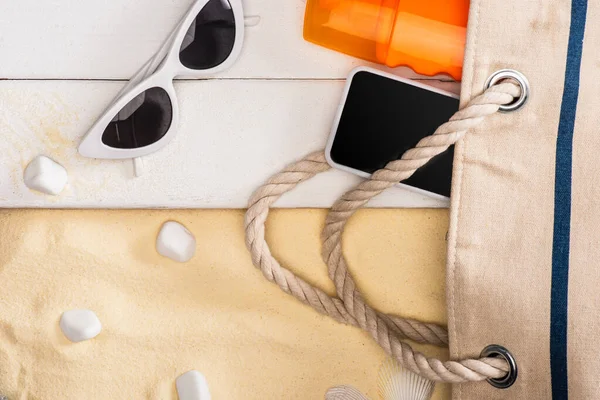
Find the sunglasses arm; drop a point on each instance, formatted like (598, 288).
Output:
(138, 167)
(251, 20)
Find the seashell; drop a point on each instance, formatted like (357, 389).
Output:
(398, 383)
(344, 393)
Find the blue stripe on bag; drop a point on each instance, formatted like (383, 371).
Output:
(562, 205)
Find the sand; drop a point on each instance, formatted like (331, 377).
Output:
(216, 314)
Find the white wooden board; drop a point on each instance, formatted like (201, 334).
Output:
(61, 59)
(111, 39)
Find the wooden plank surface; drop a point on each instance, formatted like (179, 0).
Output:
(63, 61)
(108, 39)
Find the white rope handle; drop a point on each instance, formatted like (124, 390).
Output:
(349, 307)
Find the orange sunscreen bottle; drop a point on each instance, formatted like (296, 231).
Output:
(426, 35)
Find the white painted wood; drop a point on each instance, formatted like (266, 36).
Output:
(234, 134)
(274, 106)
(107, 39)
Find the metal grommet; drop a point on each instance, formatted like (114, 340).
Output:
(509, 74)
(511, 377)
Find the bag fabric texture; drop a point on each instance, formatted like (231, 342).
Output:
(525, 220)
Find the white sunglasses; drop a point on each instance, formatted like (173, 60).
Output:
(144, 116)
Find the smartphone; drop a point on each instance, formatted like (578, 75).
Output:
(380, 117)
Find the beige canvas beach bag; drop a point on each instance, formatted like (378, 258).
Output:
(524, 237)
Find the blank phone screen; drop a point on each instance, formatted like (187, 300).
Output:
(383, 118)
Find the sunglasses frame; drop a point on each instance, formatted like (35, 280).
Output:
(160, 71)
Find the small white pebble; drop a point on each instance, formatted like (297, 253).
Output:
(192, 386)
(80, 325)
(176, 242)
(45, 175)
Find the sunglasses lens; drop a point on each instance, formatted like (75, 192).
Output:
(142, 122)
(210, 39)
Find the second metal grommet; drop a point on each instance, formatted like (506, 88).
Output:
(509, 74)
(511, 377)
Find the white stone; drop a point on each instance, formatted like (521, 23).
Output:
(45, 175)
(80, 325)
(176, 242)
(192, 386)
